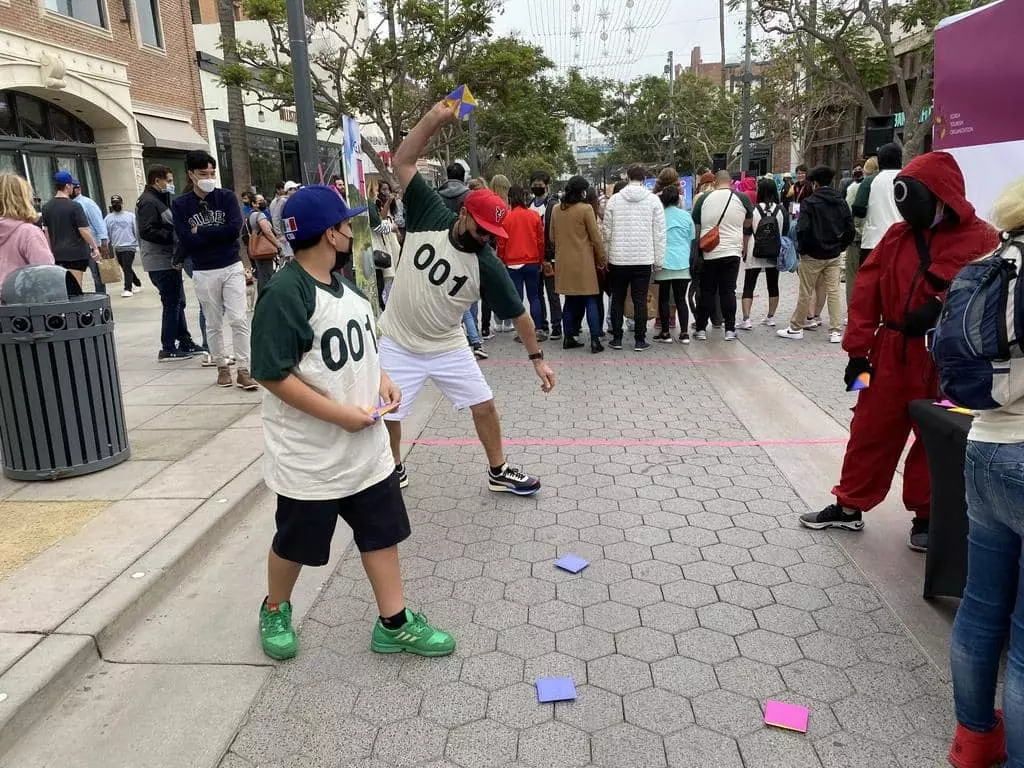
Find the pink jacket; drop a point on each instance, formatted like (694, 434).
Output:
(21, 244)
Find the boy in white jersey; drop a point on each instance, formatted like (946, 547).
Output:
(447, 266)
(315, 353)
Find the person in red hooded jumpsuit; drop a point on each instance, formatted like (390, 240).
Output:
(896, 300)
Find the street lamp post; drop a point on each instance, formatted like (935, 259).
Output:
(305, 115)
(748, 77)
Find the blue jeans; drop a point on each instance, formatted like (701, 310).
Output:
(173, 328)
(574, 307)
(992, 609)
(469, 320)
(528, 277)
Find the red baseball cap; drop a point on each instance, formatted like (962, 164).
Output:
(488, 211)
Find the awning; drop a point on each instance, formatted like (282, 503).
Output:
(165, 133)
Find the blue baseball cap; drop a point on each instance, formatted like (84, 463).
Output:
(63, 177)
(313, 210)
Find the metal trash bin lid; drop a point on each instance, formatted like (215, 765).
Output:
(39, 284)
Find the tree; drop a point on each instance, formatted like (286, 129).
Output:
(240, 176)
(854, 46)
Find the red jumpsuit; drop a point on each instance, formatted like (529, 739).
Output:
(888, 285)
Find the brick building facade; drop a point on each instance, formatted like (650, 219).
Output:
(100, 88)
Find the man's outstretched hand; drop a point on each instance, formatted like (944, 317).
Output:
(545, 374)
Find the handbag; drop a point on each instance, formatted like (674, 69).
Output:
(696, 261)
(381, 259)
(110, 270)
(788, 260)
(710, 239)
(260, 246)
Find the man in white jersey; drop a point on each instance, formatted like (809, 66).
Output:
(447, 266)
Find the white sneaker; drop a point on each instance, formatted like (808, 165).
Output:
(746, 325)
(730, 335)
(701, 336)
(811, 323)
(126, 294)
(789, 333)
(769, 321)
(835, 337)
(206, 361)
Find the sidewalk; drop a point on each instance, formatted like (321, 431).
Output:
(679, 474)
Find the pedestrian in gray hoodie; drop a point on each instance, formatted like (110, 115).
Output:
(454, 191)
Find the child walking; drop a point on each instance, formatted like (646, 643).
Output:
(327, 452)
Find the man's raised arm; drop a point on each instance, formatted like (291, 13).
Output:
(415, 143)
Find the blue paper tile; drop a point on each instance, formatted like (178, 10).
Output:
(571, 563)
(555, 689)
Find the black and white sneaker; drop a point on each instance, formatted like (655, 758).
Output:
(403, 476)
(512, 480)
(478, 350)
(641, 346)
(918, 538)
(556, 334)
(615, 344)
(833, 516)
(487, 335)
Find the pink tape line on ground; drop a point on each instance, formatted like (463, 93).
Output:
(659, 361)
(652, 442)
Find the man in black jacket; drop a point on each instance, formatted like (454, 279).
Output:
(542, 205)
(823, 231)
(156, 246)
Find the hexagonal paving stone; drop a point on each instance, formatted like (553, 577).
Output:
(458, 569)
(556, 534)
(744, 594)
(554, 745)
(601, 534)
(814, 575)
(555, 665)
(658, 711)
(517, 707)
(856, 596)
(387, 703)
(407, 742)
(845, 622)
(608, 571)
(668, 617)
(813, 679)
(706, 645)
(492, 671)
(824, 554)
(533, 551)
(454, 704)
(626, 746)
(323, 700)
(627, 552)
(749, 678)
(846, 749)
(656, 572)
(697, 746)
(761, 573)
(619, 674)
(776, 747)
(526, 641)
(709, 520)
(884, 682)
(785, 620)
(645, 644)
(585, 643)
(676, 553)
(728, 713)
(530, 591)
(556, 616)
(741, 537)
(708, 573)
(647, 535)
(725, 618)
(801, 596)
(882, 721)
(755, 521)
(725, 554)
(769, 647)
(501, 614)
(635, 592)
(482, 744)
(693, 536)
(611, 617)
(775, 555)
(684, 676)
(691, 594)
(594, 709)
(830, 649)
(582, 592)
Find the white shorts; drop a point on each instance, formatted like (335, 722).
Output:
(457, 374)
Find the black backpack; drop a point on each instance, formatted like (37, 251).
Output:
(767, 237)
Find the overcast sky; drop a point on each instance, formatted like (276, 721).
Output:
(631, 39)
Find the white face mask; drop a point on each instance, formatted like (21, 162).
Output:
(207, 185)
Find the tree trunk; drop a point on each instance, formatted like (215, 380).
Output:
(241, 178)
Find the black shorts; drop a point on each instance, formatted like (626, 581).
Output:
(78, 265)
(376, 516)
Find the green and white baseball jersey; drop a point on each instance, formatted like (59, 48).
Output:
(436, 283)
(324, 335)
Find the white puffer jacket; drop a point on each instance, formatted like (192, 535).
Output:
(634, 228)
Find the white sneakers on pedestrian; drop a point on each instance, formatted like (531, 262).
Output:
(769, 321)
(126, 294)
(789, 333)
(746, 325)
(811, 323)
(730, 335)
(835, 337)
(701, 336)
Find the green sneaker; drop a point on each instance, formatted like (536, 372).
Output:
(277, 636)
(415, 636)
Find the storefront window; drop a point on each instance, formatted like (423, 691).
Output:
(89, 11)
(273, 157)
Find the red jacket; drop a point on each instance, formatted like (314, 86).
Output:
(889, 283)
(525, 244)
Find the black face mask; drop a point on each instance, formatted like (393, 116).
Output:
(467, 243)
(858, 175)
(916, 203)
(262, 206)
(341, 260)
(116, 207)
(539, 191)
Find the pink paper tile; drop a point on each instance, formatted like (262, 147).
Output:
(793, 717)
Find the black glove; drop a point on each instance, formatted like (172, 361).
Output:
(921, 320)
(855, 368)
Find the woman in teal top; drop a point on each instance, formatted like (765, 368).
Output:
(674, 278)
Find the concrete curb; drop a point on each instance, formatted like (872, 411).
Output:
(39, 679)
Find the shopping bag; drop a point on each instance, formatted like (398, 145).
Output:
(110, 271)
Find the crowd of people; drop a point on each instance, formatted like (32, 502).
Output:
(455, 264)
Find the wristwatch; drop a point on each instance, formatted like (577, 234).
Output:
(537, 356)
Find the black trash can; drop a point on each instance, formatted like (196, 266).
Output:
(61, 413)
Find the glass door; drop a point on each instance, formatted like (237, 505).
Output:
(40, 174)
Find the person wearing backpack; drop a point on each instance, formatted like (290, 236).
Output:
(771, 224)
(993, 599)
(896, 301)
(823, 231)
